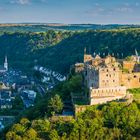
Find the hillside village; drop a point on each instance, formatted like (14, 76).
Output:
(108, 78)
(16, 84)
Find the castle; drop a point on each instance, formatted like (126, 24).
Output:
(4, 68)
(109, 78)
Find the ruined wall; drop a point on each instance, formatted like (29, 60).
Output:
(92, 78)
(79, 67)
(80, 108)
(129, 65)
(103, 95)
(87, 58)
(130, 80)
(109, 77)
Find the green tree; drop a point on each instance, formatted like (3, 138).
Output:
(55, 104)
(53, 135)
(30, 134)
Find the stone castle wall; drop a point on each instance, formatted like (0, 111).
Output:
(129, 65)
(79, 67)
(92, 78)
(130, 80)
(103, 95)
(109, 77)
(87, 58)
(80, 108)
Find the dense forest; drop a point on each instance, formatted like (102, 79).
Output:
(59, 50)
(113, 121)
(55, 49)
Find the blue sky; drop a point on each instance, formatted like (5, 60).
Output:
(70, 11)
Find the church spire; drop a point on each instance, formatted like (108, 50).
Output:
(6, 63)
(5, 59)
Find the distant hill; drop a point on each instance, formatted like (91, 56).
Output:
(60, 49)
(40, 27)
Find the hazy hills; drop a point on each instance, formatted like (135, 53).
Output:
(41, 27)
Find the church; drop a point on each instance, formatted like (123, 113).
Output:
(4, 67)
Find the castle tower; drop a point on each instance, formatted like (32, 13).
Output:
(137, 56)
(6, 63)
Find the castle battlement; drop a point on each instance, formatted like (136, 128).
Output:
(108, 78)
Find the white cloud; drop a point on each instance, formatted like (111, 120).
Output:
(22, 2)
(43, 0)
(97, 4)
(124, 9)
(137, 4)
(126, 4)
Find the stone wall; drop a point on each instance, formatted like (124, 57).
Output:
(130, 80)
(109, 77)
(103, 95)
(79, 67)
(80, 108)
(87, 58)
(92, 77)
(129, 65)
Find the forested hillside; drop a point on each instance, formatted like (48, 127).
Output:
(112, 121)
(60, 49)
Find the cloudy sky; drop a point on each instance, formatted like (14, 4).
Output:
(70, 11)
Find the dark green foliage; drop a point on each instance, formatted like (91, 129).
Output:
(114, 121)
(55, 104)
(60, 49)
(18, 103)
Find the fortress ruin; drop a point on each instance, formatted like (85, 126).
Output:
(109, 78)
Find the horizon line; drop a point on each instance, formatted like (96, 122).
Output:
(134, 24)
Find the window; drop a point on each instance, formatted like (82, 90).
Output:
(135, 76)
